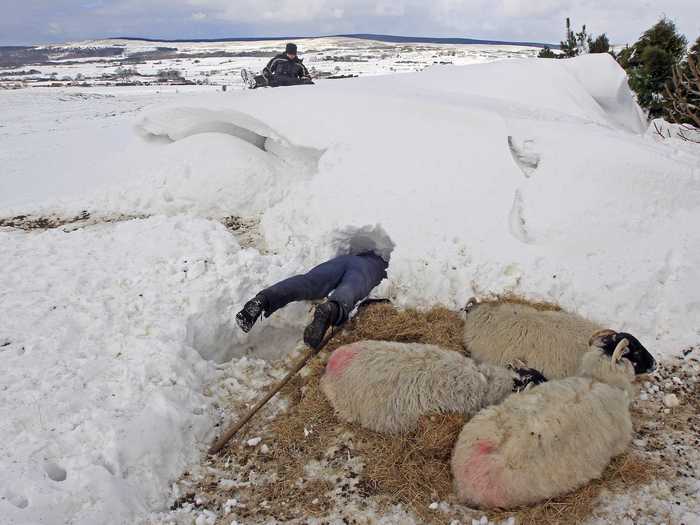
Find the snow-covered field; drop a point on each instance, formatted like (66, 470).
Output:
(117, 339)
(220, 63)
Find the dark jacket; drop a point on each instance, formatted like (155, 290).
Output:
(283, 66)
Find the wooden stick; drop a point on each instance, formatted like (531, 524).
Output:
(233, 430)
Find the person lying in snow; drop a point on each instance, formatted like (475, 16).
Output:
(286, 69)
(348, 279)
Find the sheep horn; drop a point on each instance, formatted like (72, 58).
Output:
(617, 354)
(600, 334)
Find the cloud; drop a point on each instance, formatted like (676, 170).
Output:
(55, 28)
(532, 20)
(389, 9)
(532, 8)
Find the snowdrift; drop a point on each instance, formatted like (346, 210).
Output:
(529, 177)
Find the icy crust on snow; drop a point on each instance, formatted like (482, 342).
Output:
(106, 348)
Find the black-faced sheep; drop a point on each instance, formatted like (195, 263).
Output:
(551, 439)
(387, 386)
(549, 341)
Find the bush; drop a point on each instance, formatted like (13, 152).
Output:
(682, 93)
(577, 44)
(167, 75)
(546, 53)
(599, 45)
(650, 63)
(123, 73)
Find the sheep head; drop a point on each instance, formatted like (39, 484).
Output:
(611, 343)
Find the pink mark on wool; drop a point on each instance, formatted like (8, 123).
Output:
(484, 447)
(341, 358)
(480, 478)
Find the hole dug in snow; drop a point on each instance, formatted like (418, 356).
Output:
(55, 472)
(214, 334)
(368, 238)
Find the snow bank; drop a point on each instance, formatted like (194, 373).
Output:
(524, 177)
(606, 83)
(211, 174)
(105, 343)
(532, 177)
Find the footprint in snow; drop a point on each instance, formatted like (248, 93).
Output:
(18, 500)
(524, 155)
(8, 345)
(516, 220)
(54, 471)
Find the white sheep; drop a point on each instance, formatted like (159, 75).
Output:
(552, 342)
(387, 386)
(551, 439)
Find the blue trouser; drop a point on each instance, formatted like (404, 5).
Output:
(350, 278)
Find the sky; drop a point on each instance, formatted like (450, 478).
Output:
(50, 21)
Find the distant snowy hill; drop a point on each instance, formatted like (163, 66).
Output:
(397, 39)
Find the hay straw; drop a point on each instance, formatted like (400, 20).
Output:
(412, 469)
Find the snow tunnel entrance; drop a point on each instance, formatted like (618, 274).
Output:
(360, 239)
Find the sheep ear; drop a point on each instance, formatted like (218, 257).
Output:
(518, 363)
(471, 304)
(619, 350)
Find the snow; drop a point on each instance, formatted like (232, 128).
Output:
(102, 393)
(219, 63)
(465, 216)
(533, 177)
(254, 442)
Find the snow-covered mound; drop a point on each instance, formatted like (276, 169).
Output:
(102, 394)
(530, 177)
(107, 343)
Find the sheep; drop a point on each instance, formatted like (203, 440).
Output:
(549, 341)
(551, 439)
(387, 386)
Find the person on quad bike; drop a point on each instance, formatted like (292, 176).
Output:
(285, 69)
